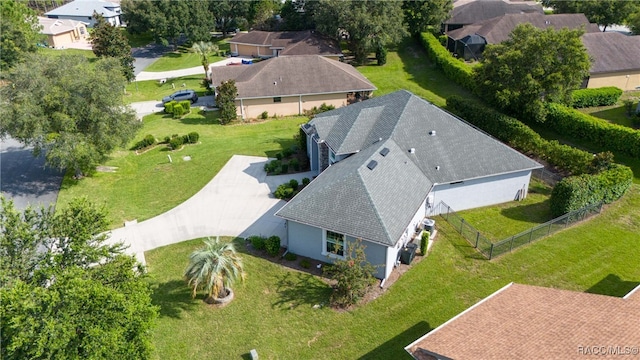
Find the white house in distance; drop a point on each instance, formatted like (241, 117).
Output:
(82, 10)
(384, 164)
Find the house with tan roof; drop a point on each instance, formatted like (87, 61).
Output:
(289, 85)
(532, 322)
(466, 12)
(265, 44)
(470, 41)
(384, 165)
(616, 60)
(62, 32)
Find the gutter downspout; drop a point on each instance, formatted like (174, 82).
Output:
(242, 109)
(300, 105)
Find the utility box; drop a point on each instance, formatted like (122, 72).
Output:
(428, 225)
(408, 253)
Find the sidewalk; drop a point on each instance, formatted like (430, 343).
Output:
(149, 75)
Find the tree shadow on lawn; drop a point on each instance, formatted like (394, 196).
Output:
(612, 285)
(296, 288)
(394, 348)
(202, 118)
(535, 214)
(173, 297)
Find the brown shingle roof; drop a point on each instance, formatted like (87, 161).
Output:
(497, 30)
(469, 12)
(57, 26)
(531, 322)
(294, 42)
(612, 51)
(292, 75)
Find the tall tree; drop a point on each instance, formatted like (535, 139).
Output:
(298, 15)
(532, 67)
(602, 12)
(634, 22)
(420, 14)
(260, 14)
(71, 295)
(108, 41)
(226, 94)
(200, 22)
(19, 32)
(229, 13)
(366, 24)
(204, 49)
(68, 108)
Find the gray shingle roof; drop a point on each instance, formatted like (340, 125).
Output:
(292, 75)
(612, 51)
(86, 8)
(469, 12)
(294, 42)
(497, 30)
(378, 204)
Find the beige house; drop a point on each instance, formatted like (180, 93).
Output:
(616, 60)
(266, 44)
(289, 85)
(62, 32)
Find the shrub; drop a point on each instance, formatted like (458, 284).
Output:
(424, 242)
(521, 137)
(290, 256)
(147, 141)
(272, 166)
(596, 97)
(186, 106)
(305, 263)
(457, 71)
(295, 164)
(264, 115)
(381, 55)
(284, 191)
(272, 245)
(612, 137)
(279, 156)
(178, 111)
(193, 137)
(175, 143)
(167, 139)
(168, 106)
(302, 139)
(258, 242)
(287, 152)
(353, 275)
(305, 181)
(284, 168)
(293, 183)
(576, 192)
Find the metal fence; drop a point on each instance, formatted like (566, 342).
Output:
(546, 176)
(491, 250)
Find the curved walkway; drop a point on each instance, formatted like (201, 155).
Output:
(236, 202)
(157, 75)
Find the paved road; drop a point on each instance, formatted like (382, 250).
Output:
(236, 202)
(24, 178)
(157, 75)
(146, 55)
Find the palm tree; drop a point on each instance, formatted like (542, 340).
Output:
(214, 268)
(204, 49)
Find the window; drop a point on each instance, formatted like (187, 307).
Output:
(334, 243)
(277, 99)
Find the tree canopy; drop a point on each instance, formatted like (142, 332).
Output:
(65, 293)
(601, 12)
(366, 24)
(420, 14)
(68, 108)
(108, 41)
(226, 94)
(19, 32)
(532, 67)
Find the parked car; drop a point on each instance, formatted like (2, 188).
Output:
(181, 95)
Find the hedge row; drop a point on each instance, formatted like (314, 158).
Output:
(147, 141)
(576, 192)
(519, 136)
(612, 137)
(603, 96)
(177, 109)
(454, 69)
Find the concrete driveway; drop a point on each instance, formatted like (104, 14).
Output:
(24, 177)
(236, 202)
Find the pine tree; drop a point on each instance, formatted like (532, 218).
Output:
(108, 41)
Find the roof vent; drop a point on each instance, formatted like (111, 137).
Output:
(438, 167)
(432, 133)
(372, 164)
(412, 150)
(384, 151)
(275, 83)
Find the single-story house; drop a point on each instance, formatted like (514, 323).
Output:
(469, 42)
(385, 164)
(61, 32)
(532, 322)
(467, 12)
(616, 60)
(265, 44)
(289, 85)
(82, 10)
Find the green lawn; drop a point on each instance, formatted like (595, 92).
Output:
(147, 185)
(183, 58)
(154, 90)
(615, 113)
(138, 40)
(57, 52)
(273, 310)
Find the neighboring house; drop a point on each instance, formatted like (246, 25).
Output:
(265, 44)
(289, 85)
(531, 322)
(616, 60)
(82, 10)
(467, 12)
(385, 164)
(62, 32)
(469, 42)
